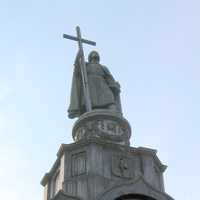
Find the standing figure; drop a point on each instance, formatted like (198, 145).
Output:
(103, 89)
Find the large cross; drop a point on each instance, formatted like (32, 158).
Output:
(81, 59)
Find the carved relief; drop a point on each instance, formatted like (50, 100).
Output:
(102, 128)
(121, 166)
(78, 164)
(80, 133)
(111, 128)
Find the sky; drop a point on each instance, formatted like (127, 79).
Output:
(151, 47)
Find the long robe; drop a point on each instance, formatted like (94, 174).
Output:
(102, 87)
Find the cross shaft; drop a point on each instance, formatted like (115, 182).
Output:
(81, 61)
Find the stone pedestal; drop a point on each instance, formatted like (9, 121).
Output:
(101, 165)
(102, 124)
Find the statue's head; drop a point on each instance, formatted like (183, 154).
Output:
(94, 57)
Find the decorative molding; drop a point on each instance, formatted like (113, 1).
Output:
(78, 164)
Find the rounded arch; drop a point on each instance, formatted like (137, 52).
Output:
(134, 197)
(138, 189)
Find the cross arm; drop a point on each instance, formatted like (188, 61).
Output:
(76, 39)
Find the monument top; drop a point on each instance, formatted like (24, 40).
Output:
(93, 86)
(95, 99)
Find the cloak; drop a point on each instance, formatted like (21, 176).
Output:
(104, 90)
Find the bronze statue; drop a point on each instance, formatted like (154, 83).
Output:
(103, 89)
(93, 86)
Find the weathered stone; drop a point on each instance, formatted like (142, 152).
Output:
(102, 124)
(99, 170)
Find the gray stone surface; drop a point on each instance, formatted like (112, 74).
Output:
(99, 170)
(104, 124)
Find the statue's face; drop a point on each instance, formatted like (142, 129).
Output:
(94, 60)
(93, 57)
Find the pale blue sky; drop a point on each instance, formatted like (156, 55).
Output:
(151, 47)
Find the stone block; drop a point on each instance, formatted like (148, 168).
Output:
(92, 169)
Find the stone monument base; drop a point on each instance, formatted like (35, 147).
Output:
(102, 124)
(95, 169)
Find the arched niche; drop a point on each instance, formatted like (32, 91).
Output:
(134, 197)
(138, 189)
